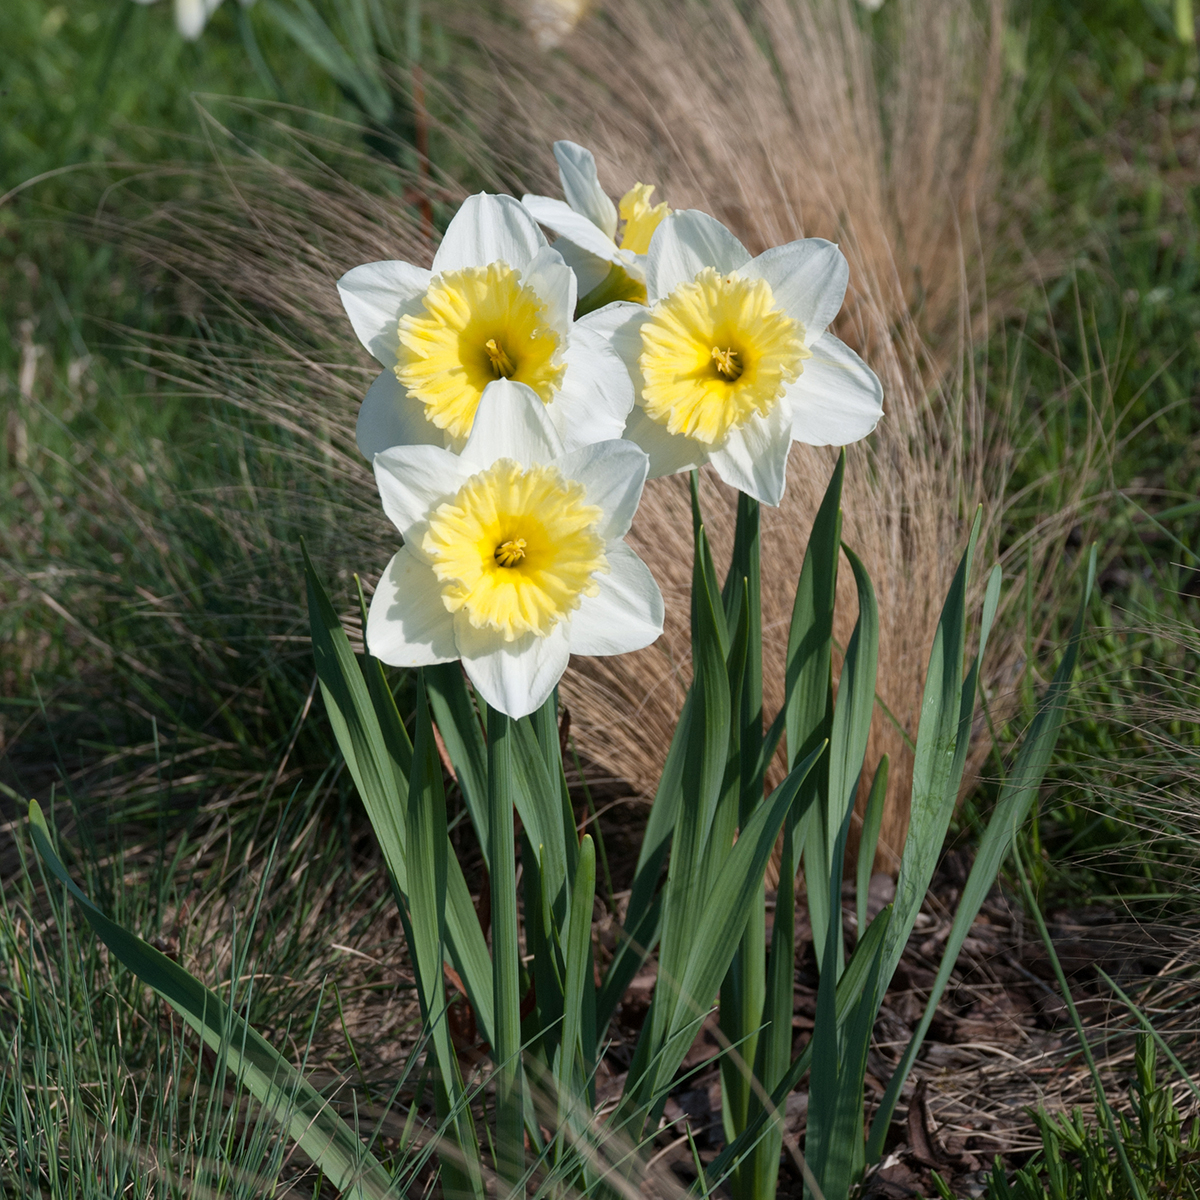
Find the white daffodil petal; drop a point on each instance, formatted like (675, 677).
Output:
(596, 394)
(511, 422)
(489, 229)
(514, 677)
(554, 283)
(589, 270)
(669, 453)
(407, 623)
(581, 186)
(613, 474)
(376, 295)
(573, 226)
(808, 281)
(389, 417)
(414, 480)
(626, 614)
(754, 456)
(682, 244)
(838, 399)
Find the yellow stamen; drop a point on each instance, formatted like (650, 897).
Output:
(478, 324)
(640, 217)
(502, 365)
(509, 553)
(715, 353)
(727, 362)
(516, 550)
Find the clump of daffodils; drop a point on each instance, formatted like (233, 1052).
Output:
(528, 389)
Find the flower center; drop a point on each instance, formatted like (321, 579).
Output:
(502, 366)
(478, 324)
(715, 353)
(727, 362)
(509, 553)
(641, 217)
(516, 549)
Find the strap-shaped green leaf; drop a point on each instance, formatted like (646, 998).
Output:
(573, 1067)
(850, 987)
(1016, 796)
(704, 768)
(940, 753)
(384, 789)
(718, 928)
(851, 727)
(462, 734)
(868, 842)
(429, 845)
(255, 1063)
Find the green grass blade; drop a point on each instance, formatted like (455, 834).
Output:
(1146, 1024)
(1114, 1136)
(257, 1065)
(1012, 807)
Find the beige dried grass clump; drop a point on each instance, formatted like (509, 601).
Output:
(775, 125)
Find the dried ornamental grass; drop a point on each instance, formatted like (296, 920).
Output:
(781, 144)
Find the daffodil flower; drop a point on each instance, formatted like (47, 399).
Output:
(731, 360)
(513, 557)
(586, 224)
(192, 15)
(497, 304)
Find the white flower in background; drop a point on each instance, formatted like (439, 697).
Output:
(497, 304)
(587, 222)
(191, 16)
(731, 361)
(513, 556)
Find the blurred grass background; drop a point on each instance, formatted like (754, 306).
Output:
(154, 667)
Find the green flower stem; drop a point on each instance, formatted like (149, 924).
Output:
(744, 994)
(506, 992)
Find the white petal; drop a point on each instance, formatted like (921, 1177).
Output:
(581, 186)
(682, 244)
(514, 677)
(627, 614)
(190, 18)
(754, 457)
(596, 393)
(414, 480)
(569, 224)
(511, 422)
(554, 283)
(838, 399)
(808, 279)
(669, 453)
(376, 296)
(613, 474)
(489, 229)
(590, 271)
(407, 623)
(391, 417)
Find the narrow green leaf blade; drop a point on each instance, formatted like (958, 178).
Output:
(267, 1075)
